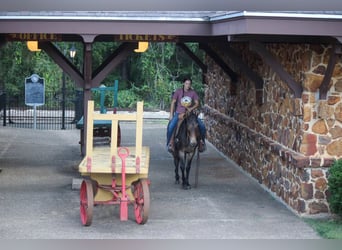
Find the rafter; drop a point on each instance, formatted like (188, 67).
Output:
(245, 69)
(323, 89)
(62, 62)
(2, 41)
(193, 57)
(277, 67)
(112, 61)
(233, 76)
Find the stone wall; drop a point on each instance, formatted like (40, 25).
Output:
(286, 143)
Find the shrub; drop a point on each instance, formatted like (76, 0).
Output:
(127, 99)
(335, 187)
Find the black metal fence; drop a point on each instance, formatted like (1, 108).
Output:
(3, 107)
(60, 111)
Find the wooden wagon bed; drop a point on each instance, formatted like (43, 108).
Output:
(103, 162)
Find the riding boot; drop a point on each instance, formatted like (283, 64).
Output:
(202, 147)
(171, 146)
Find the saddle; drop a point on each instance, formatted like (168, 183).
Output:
(175, 140)
(181, 118)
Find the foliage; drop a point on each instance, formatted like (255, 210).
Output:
(15, 65)
(161, 69)
(127, 99)
(335, 187)
(326, 228)
(151, 76)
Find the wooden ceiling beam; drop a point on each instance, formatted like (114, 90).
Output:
(193, 57)
(245, 69)
(277, 67)
(219, 61)
(325, 85)
(117, 57)
(62, 62)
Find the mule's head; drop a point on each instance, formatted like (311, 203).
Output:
(193, 129)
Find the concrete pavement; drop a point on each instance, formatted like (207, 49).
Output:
(37, 201)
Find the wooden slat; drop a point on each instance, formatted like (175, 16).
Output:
(139, 127)
(112, 117)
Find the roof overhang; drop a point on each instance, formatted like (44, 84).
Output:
(177, 23)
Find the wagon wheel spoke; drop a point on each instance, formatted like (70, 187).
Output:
(142, 201)
(86, 202)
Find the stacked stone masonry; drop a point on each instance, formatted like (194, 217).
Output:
(286, 143)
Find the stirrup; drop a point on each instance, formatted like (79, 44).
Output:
(202, 147)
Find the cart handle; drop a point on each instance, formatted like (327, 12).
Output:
(123, 152)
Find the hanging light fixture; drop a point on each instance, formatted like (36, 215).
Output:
(32, 46)
(72, 51)
(142, 47)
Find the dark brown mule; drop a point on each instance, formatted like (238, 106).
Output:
(186, 144)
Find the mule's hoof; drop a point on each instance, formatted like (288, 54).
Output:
(177, 182)
(186, 187)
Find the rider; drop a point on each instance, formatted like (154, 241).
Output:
(184, 100)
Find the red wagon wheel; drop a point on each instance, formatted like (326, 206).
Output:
(142, 201)
(86, 202)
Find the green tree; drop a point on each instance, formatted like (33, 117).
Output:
(150, 76)
(15, 65)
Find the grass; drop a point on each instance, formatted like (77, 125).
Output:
(327, 228)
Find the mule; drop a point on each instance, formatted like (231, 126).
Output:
(187, 139)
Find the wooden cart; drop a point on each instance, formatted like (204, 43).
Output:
(115, 175)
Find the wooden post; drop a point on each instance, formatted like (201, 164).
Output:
(87, 88)
(90, 128)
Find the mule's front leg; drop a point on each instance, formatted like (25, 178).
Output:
(185, 173)
(176, 162)
(182, 168)
(186, 184)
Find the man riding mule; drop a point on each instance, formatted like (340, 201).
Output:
(184, 100)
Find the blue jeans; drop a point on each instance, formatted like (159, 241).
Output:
(173, 124)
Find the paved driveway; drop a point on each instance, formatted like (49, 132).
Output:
(38, 202)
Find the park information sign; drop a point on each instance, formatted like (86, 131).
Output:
(34, 90)
(34, 94)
